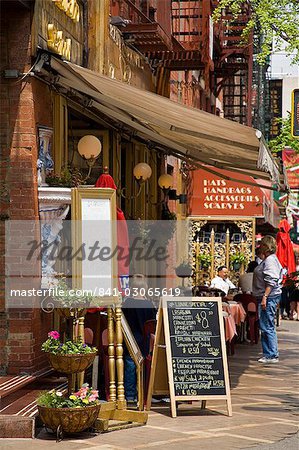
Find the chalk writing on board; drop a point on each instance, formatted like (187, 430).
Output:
(195, 341)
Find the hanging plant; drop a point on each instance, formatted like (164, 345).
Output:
(204, 261)
(237, 260)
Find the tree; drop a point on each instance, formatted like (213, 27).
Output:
(277, 21)
(285, 138)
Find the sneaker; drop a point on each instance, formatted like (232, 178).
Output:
(265, 360)
(273, 360)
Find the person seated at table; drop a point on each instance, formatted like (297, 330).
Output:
(137, 310)
(221, 281)
(245, 280)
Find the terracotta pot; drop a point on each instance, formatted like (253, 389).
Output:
(70, 420)
(71, 363)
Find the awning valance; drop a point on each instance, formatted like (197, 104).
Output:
(189, 133)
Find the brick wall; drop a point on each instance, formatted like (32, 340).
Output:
(24, 105)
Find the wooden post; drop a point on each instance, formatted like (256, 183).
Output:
(197, 265)
(80, 336)
(212, 253)
(121, 402)
(227, 242)
(111, 354)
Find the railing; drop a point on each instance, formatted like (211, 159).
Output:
(136, 11)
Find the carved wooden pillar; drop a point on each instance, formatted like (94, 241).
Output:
(212, 253)
(111, 354)
(121, 402)
(80, 336)
(227, 242)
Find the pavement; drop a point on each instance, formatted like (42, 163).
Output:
(265, 412)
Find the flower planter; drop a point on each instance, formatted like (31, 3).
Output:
(71, 363)
(69, 420)
(236, 266)
(183, 272)
(71, 312)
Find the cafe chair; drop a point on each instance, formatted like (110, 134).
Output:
(251, 308)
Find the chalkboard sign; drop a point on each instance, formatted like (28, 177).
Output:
(196, 355)
(195, 349)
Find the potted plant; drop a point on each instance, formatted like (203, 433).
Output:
(68, 303)
(69, 413)
(69, 177)
(69, 357)
(184, 270)
(237, 259)
(204, 261)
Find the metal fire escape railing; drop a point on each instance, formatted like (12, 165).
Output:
(234, 67)
(187, 22)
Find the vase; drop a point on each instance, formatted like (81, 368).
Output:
(69, 420)
(236, 266)
(71, 363)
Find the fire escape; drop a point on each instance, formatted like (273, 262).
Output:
(234, 66)
(151, 27)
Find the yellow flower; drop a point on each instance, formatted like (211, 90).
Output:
(73, 397)
(85, 401)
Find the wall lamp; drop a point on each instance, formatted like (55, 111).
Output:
(165, 182)
(142, 172)
(89, 148)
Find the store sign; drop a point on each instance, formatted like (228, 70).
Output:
(58, 27)
(275, 107)
(216, 196)
(70, 7)
(295, 113)
(291, 162)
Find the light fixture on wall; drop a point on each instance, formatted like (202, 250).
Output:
(142, 172)
(165, 182)
(89, 148)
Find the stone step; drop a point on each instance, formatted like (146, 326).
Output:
(18, 409)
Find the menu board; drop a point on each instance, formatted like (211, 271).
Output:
(195, 347)
(195, 342)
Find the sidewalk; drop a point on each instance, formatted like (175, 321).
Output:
(264, 412)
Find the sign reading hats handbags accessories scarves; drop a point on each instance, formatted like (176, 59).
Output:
(58, 27)
(193, 349)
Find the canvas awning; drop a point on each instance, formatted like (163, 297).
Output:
(187, 132)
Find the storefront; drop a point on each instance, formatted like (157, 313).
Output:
(224, 215)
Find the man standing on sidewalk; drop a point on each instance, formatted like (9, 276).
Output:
(267, 279)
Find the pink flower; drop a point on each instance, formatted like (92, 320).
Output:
(93, 398)
(54, 335)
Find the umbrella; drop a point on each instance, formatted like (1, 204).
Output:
(285, 252)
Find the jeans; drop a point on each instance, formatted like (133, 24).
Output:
(267, 327)
(130, 380)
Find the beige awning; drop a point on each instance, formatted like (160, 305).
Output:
(189, 133)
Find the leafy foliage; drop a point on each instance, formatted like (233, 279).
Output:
(68, 298)
(285, 138)
(86, 396)
(54, 346)
(204, 260)
(69, 177)
(238, 258)
(277, 21)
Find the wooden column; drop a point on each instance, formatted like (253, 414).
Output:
(121, 402)
(212, 253)
(111, 354)
(227, 242)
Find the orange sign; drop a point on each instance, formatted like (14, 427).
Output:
(215, 196)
